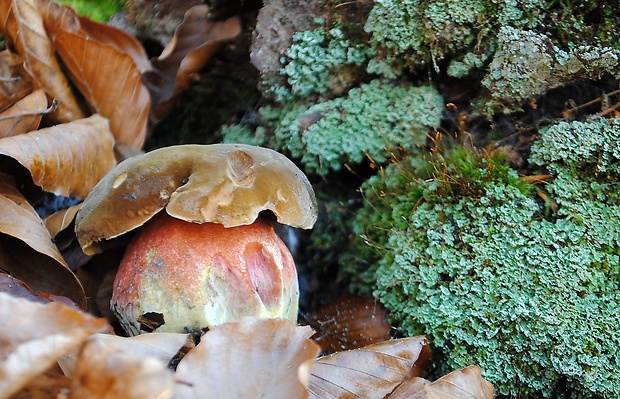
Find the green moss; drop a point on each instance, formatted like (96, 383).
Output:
(372, 120)
(480, 268)
(97, 10)
(411, 33)
(320, 62)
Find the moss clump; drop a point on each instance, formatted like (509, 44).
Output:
(97, 10)
(372, 120)
(493, 278)
(411, 33)
(319, 63)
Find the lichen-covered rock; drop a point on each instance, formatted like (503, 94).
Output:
(527, 64)
(496, 277)
(412, 33)
(372, 120)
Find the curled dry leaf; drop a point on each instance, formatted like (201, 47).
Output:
(250, 358)
(228, 184)
(109, 80)
(370, 372)
(465, 383)
(15, 83)
(104, 371)
(25, 115)
(161, 346)
(195, 42)
(351, 321)
(67, 159)
(26, 248)
(22, 25)
(35, 335)
(59, 221)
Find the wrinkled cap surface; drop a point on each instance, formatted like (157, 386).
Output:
(229, 184)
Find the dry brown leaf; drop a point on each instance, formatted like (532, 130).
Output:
(250, 358)
(26, 248)
(195, 42)
(161, 346)
(18, 288)
(25, 115)
(15, 83)
(466, 383)
(22, 24)
(111, 83)
(48, 385)
(370, 372)
(67, 159)
(33, 336)
(59, 221)
(351, 321)
(104, 371)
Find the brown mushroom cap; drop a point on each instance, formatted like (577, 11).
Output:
(228, 184)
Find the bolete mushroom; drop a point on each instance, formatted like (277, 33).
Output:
(208, 258)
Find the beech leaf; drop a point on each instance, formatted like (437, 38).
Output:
(26, 248)
(194, 43)
(15, 82)
(351, 321)
(370, 372)
(67, 159)
(250, 358)
(35, 335)
(466, 383)
(25, 115)
(22, 25)
(111, 83)
(104, 371)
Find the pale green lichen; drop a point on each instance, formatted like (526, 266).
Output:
(493, 277)
(527, 64)
(416, 32)
(320, 62)
(371, 120)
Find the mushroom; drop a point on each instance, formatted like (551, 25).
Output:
(208, 258)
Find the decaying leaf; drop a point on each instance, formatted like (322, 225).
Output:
(22, 25)
(104, 371)
(250, 358)
(35, 335)
(228, 184)
(25, 115)
(370, 372)
(60, 158)
(19, 289)
(59, 221)
(465, 383)
(351, 321)
(26, 248)
(195, 42)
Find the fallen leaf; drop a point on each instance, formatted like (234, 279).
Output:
(194, 43)
(67, 159)
(17, 288)
(351, 321)
(466, 383)
(250, 358)
(33, 336)
(60, 220)
(107, 372)
(370, 372)
(26, 248)
(109, 80)
(15, 82)
(22, 25)
(25, 115)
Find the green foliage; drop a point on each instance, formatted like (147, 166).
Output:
(97, 10)
(320, 61)
(415, 32)
(372, 120)
(476, 263)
